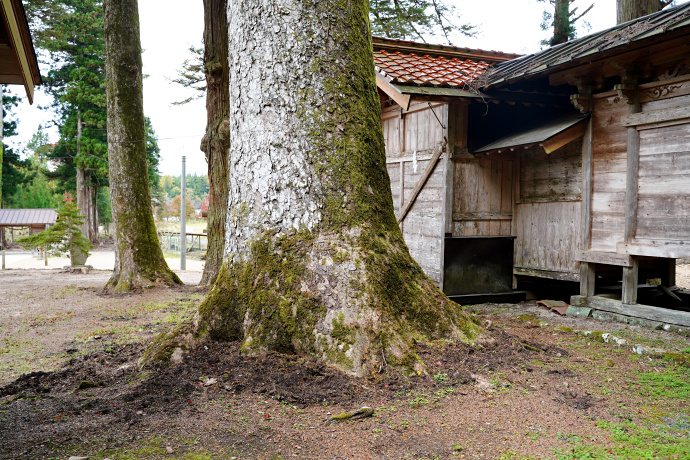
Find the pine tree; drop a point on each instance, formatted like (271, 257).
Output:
(64, 237)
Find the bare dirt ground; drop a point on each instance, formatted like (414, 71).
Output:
(70, 386)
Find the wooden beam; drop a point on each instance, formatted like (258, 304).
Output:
(662, 315)
(422, 181)
(403, 100)
(656, 248)
(564, 138)
(470, 216)
(656, 116)
(550, 274)
(607, 258)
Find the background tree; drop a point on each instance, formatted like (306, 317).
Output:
(174, 208)
(415, 19)
(562, 20)
(316, 262)
(36, 190)
(138, 257)
(13, 170)
(72, 33)
(627, 10)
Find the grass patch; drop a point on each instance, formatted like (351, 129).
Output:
(667, 383)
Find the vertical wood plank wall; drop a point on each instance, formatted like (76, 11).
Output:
(609, 165)
(548, 220)
(410, 140)
(483, 196)
(663, 211)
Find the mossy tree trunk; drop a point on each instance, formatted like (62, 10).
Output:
(138, 257)
(316, 263)
(627, 10)
(216, 142)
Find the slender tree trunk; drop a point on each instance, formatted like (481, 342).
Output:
(561, 22)
(315, 261)
(139, 259)
(82, 187)
(627, 10)
(216, 142)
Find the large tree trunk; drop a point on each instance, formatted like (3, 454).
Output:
(138, 257)
(216, 142)
(316, 263)
(627, 10)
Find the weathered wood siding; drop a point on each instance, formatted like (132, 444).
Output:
(483, 196)
(609, 164)
(411, 138)
(548, 212)
(663, 207)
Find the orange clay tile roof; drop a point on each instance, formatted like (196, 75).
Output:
(420, 64)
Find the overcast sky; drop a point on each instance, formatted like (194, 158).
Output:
(170, 27)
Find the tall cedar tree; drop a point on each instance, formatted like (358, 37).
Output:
(216, 141)
(562, 20)
(315, 262)
(138, 257)
(627, 10)
(72, 33)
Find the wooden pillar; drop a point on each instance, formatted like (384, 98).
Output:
(587, 270)
(631, 185)
(630, 283)
(587, 279)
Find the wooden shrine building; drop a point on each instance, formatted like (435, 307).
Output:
(579, 153)
(633, 82)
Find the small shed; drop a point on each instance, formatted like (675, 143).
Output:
(632, 85)
(426, 91)
(36, 220)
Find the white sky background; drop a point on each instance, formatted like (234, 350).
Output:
(169, 27)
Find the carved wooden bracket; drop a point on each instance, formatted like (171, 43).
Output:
(582, 102)
(626, 91)
(583, 99)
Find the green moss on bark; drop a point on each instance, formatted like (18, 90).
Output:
(261, 300)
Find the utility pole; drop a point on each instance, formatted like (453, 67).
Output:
(183, 220)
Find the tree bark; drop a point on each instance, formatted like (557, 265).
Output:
(627, 10)
(138, 257)
(315, 261)
(561, 22)
(216, 141)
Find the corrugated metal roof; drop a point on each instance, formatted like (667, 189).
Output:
(437, 66)
(26, 217)
(538, 134)
(670, 19)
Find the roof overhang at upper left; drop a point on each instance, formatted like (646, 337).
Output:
(18, 63)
